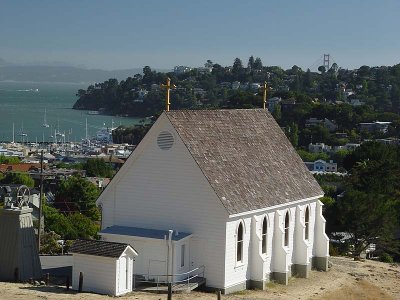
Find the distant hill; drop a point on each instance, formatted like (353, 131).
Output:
(61, 73)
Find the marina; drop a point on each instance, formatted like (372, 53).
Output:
(41, 111)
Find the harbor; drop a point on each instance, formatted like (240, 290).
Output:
(30, 106)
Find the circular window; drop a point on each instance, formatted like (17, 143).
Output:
(165, 140)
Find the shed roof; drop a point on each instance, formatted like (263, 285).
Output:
(99, 248)
(144, 232)
(245, 156)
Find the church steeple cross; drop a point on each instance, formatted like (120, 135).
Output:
(265, 88)
(168, 87)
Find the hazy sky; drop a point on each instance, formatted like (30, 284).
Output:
(126, 34)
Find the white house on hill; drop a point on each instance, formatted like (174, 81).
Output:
(219, 190)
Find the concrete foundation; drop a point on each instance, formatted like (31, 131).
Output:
(320, 263)
(302, 271)
(237, 287)
(281, 277)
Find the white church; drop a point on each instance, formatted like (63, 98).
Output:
(222, 192)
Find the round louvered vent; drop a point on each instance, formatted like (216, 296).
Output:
(165, 140)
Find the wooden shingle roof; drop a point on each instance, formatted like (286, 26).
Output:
(98, 248)
(245, 156)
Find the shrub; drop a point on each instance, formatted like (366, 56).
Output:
(386, 258)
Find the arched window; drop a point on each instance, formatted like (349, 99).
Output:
(264, 236)
(239, 243)
(287, 229)
(307, 223)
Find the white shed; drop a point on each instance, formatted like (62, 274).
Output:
(107, 267)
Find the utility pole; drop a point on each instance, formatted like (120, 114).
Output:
(40, 201)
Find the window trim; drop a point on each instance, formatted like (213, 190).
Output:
(307, 223)
(264, 236)
(183, 255)
(286, 229)
(241, 243)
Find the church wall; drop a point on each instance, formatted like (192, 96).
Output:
(257, 268)
(165, 189)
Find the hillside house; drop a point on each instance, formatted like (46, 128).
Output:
(221, 191)
(375, 126)
(321, 165)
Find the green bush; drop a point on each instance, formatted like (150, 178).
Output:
(386, 258)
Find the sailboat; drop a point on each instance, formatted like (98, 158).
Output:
(45, 120)
(21, 131)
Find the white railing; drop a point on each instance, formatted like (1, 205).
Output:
(163, 279)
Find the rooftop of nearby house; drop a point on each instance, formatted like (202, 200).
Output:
(245, 157)
(98, 248)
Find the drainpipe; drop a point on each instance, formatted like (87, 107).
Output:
(169, 245)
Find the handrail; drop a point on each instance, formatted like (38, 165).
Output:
(178, 274)
(156, 277)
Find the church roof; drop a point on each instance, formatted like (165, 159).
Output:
(245, 157)
(99, 248)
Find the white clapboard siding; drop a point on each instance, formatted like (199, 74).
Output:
(165, 189)
(95, 278)
(259, 268)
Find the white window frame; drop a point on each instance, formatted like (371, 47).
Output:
(183, 255)
(238, 242)
(307, 213)
(286, 230)
(264, 236)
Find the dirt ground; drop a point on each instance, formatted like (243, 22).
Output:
(346, 279)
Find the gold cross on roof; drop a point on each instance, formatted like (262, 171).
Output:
(168, 86)
(265, 88)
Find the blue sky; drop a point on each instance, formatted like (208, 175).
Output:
(126, 34)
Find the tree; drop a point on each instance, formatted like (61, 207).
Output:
(237, 67)
(98, 167)
(250, 64)
(68, 226)
(277, 112)
(322, 69)
(257, 64)
(209, 64)
(18, 178)
(370, 208)
(9, 160)
(292, 132)
(76, 194)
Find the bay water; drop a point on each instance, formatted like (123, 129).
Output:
(24, 103)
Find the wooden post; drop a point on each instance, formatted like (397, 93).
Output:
(80, 282)
(47, 279)
(219, 295)
(67, 283)
(40, 201)
(169, 291)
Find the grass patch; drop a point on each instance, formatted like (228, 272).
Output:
(244, 292)
(271, 285)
